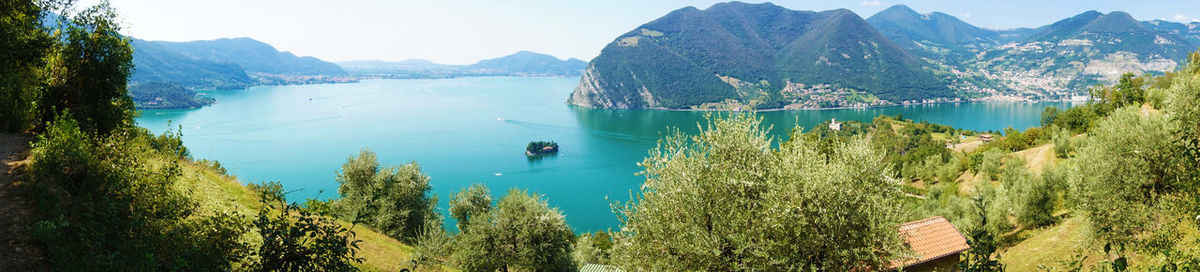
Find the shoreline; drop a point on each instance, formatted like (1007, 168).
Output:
(840, 108)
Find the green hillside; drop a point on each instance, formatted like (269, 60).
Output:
(755, 54)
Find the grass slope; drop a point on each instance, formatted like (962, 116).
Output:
(216, 192)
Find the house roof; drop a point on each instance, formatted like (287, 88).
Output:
(930, 239)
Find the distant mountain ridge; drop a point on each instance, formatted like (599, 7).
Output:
(906, 27)
(163, 68)
(1055, 61)
(756, 56)
(254, 56)
(522, 63)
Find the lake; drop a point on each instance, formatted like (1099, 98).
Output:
(474, 130)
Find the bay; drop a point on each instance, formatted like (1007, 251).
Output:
(474, 130)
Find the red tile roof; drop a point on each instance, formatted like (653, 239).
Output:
(931, 238)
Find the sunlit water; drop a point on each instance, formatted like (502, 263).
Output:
(474, 130)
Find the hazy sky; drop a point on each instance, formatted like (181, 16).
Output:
(465, 31)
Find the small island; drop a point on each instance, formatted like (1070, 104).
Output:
(540, 148)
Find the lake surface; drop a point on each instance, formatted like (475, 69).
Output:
(474, 130)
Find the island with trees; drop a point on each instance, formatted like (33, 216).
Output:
(541, 148)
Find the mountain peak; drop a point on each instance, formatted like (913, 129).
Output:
(1116, 21)
(899, 10)
(908, 28)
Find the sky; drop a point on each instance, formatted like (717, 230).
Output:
(466, 31)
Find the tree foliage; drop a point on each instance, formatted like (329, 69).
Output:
(724, 200)
(294, 239)
(103, 208)
(394, 200)
(521, 233)
(470, 203)
(1126, 177)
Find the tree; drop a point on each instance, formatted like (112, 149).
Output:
(981, 257)
(475, 201)
(724, 200)
(1049, 114)
(394, 201)
(1125, 179)
(294, 239)
(88, 71)
(102, 208)
(522, 232)
(22, 50)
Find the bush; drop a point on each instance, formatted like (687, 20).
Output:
(1062, 143)
(1038, 200)
(105, 208)
(394, 201)
(294, 239)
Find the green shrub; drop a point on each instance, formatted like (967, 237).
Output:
(294, 239)
(394, 201)
(105, 208)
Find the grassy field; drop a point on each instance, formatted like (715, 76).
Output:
(217, 192)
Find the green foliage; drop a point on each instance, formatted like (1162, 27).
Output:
(103, 208)
(165, 95)
(522, 232)
(541, 148)
(87, 72)
(982, 255)
(1128, 91)
(472, 202)
(724, 200)
(395, 201)
(433, 245)
(1078, 118)
(909, 150)
(1126, 174)
(1062, 143)
(1037, 201)
(294, 239)
(679, 65)
(23, 47)
(593, 248)
(1049, 115)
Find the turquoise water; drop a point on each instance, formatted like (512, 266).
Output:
(469, 130)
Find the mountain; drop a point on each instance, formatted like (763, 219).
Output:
(384, 66)
(757, 56)
(165, 95)
(254, 56)
(154, 62)
(530, 63)
(910, 29)
(1068, 56)
(523, 63)
(1189, 31)
(1113, 32)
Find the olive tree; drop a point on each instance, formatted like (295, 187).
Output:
(393, 200)
(1126, 179)
(725, 200)
(521, 233)
(470, 203)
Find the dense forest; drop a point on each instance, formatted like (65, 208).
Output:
(1122, 172)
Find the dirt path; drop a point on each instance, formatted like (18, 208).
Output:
(1037, 158)
(967, 146)
(18, 250)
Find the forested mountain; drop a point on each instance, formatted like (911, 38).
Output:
(910, 29)
(757, 56)
(220, 64)
(254, 56)
(523, 63)
(154, 62)
(1054, 61)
